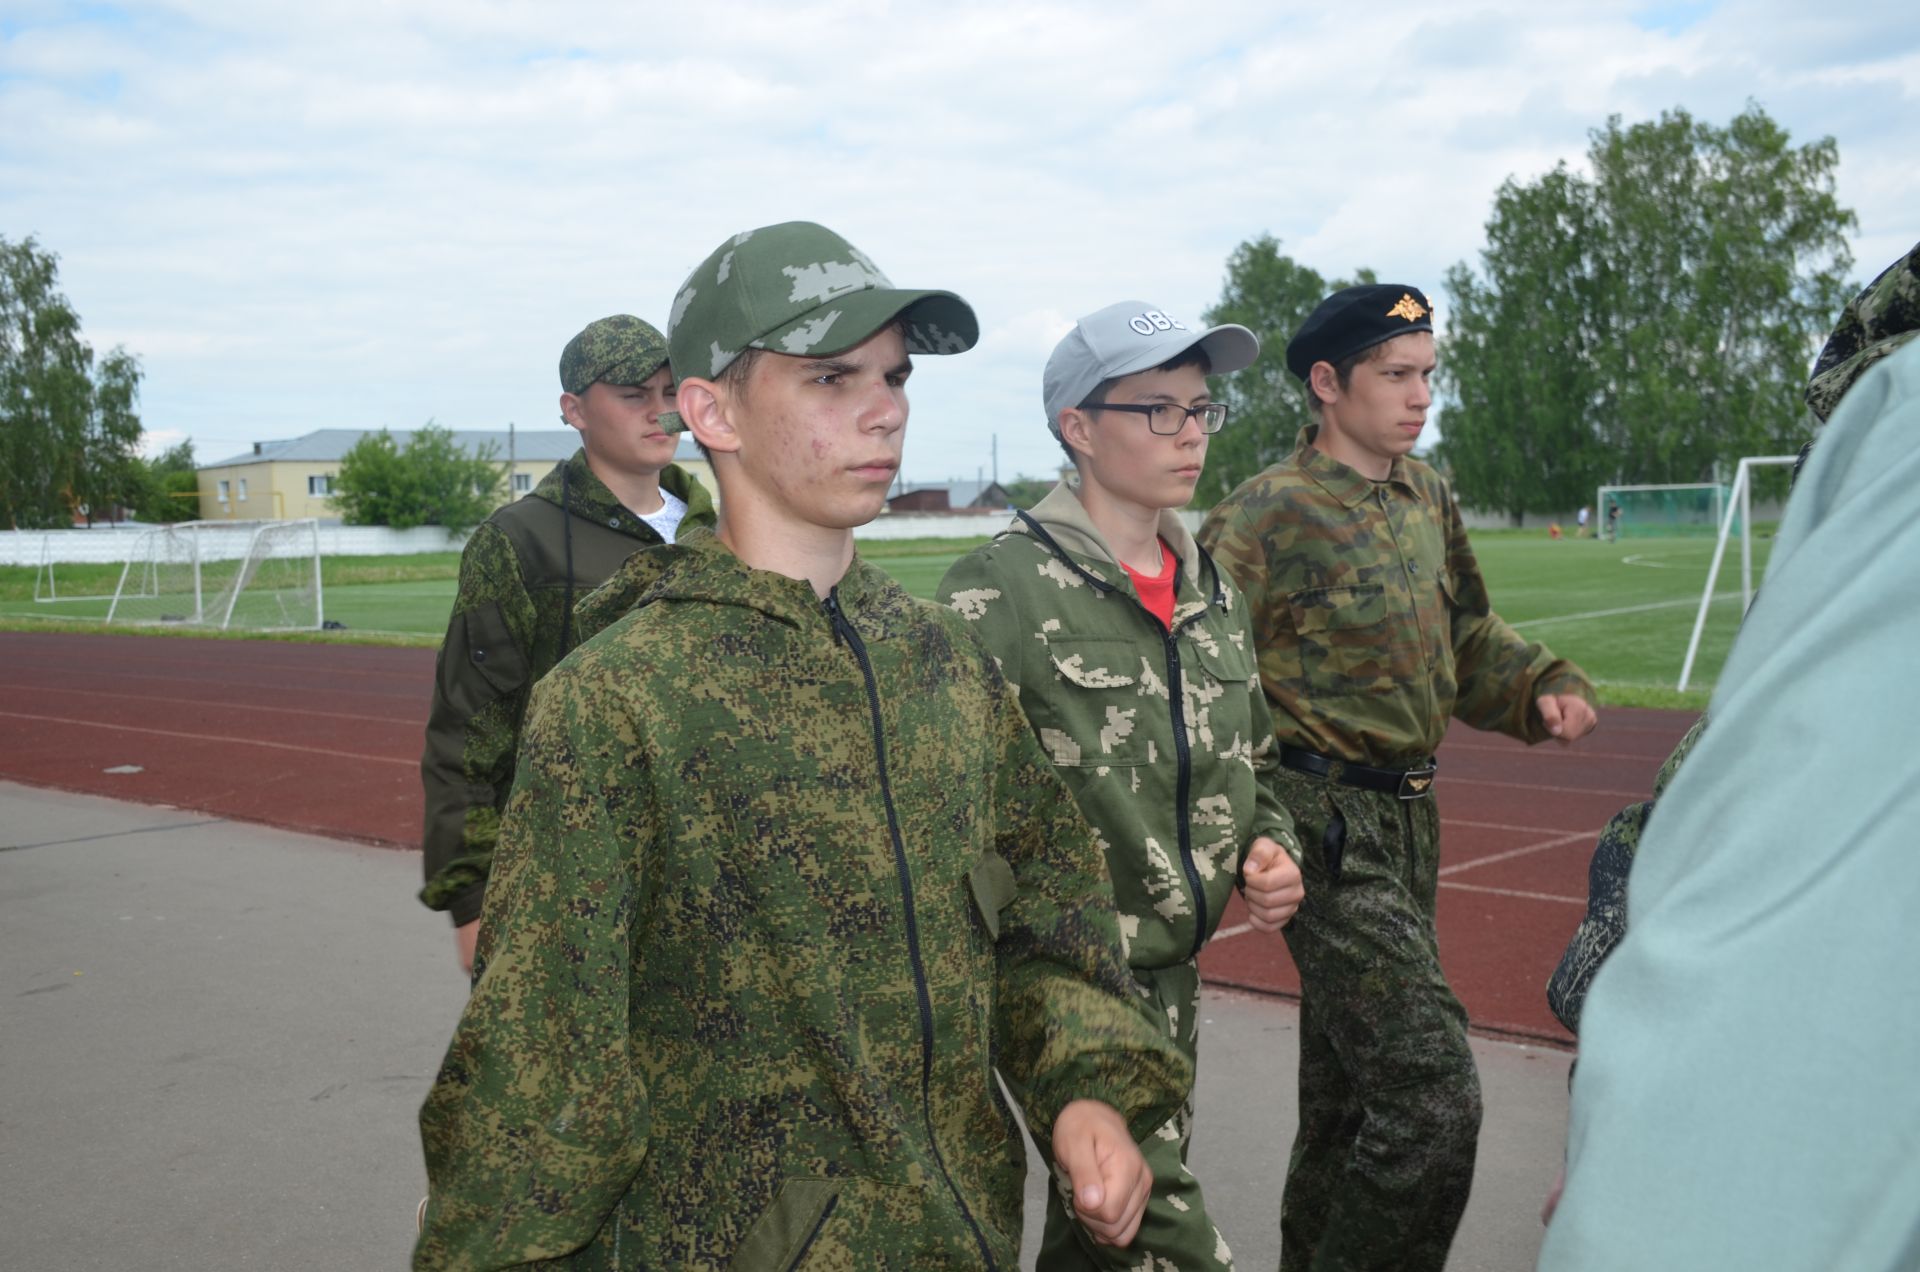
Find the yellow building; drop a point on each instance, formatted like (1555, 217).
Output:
(293, 478)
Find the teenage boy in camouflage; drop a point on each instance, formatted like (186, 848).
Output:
(519, 576)
(1374, 628)
(1132, 656)
(785, 874)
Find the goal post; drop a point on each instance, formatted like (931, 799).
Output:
(253, 575)
(1647, 511)
(1739, 507)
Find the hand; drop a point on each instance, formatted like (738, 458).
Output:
(1273, 887)
(1567, 715)
(1109, 1177)
(464, 937)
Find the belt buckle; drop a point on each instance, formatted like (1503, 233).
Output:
(1418, 783)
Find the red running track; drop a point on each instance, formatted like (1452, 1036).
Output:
(326, 739)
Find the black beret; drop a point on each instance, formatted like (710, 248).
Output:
(1356, 318)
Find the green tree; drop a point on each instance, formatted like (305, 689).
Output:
(169, 486)
(429, 482)
(1027, 491)
(1648, 322)
(46, 391)
(1272, 294)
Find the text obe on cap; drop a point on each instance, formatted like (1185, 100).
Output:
(1357, 318)
(1128, 338)
(798, 288)
(617, 349)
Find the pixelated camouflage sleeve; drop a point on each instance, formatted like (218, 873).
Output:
(539, 1118)
(1499, 674)
(481, 683)
(1070, 1022)
(1606, 918)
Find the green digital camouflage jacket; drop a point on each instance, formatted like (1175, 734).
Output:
(1606, 918)
(1176, 784)
(780, 884)
(510, 625)
(1369, 612)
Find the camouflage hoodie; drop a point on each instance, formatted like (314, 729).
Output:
(521, 571)
(1176, 784)
(780, 883)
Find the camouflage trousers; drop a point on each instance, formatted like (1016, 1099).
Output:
(1176, 1235)
(1389, 1097)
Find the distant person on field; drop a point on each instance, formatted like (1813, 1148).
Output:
(1374, 629)
(1746, 1096)
(1132, 655)
(785, 875)
(1613, 521)
(1580, 531)
(520, 575)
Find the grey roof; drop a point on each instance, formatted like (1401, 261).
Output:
(960, 494)
(330, 445)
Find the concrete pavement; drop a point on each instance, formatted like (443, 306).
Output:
(214, 1038)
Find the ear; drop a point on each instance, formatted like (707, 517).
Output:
(1076, 430)
(1326, 384)
(571, 412)
(705, 407)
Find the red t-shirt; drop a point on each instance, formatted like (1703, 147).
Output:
(1156, 592)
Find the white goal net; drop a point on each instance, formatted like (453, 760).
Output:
(256, 575)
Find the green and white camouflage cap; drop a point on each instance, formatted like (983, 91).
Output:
(618, 349)
(1874, 325)
(798, 288)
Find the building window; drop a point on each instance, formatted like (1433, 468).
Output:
(223, 492)
(320, 486)
(522, 483)
(243, 490)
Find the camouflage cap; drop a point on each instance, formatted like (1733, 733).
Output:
(1884, 316)
(799, 288)
(619, 349)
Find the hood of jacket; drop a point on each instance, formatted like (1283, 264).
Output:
(1060, 520)
(700, 568)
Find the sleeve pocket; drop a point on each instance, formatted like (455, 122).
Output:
(487, 652)
(991, 880)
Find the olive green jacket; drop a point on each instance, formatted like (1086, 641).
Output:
(1176, 783)
(520, 574)
(1370, 613)
(780, 884)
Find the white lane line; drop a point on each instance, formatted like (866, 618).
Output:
(1522, 830)
(1511, 853)
(212, 704)
(211, 737)
(1515, 892)
(1625, 609)
(1632, 797)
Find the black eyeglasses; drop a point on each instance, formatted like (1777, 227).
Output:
(1167, 419)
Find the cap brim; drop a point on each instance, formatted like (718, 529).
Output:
(936, 322)
(1229, 348)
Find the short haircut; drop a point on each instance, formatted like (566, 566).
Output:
(1191, 356)
(1343, 372)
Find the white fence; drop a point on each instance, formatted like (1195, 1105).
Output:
(110, 545)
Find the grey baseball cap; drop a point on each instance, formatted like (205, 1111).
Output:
(798, 288)
(1128, 338)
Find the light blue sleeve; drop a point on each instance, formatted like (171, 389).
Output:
(1748, 1094)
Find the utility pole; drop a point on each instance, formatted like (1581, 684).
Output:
(511, 469)
(996, 459)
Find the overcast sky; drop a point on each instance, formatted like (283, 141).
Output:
(355, 213)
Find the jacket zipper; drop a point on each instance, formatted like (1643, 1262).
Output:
(1183, 790)
(844, 630)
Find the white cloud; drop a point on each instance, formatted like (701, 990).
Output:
(359, 212)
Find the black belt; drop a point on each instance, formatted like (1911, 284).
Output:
(1412, 783)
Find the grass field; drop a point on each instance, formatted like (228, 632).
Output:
(1622, 611)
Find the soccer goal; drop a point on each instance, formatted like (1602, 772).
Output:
(256, 575)
(1648, 512)
(1740, 509)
